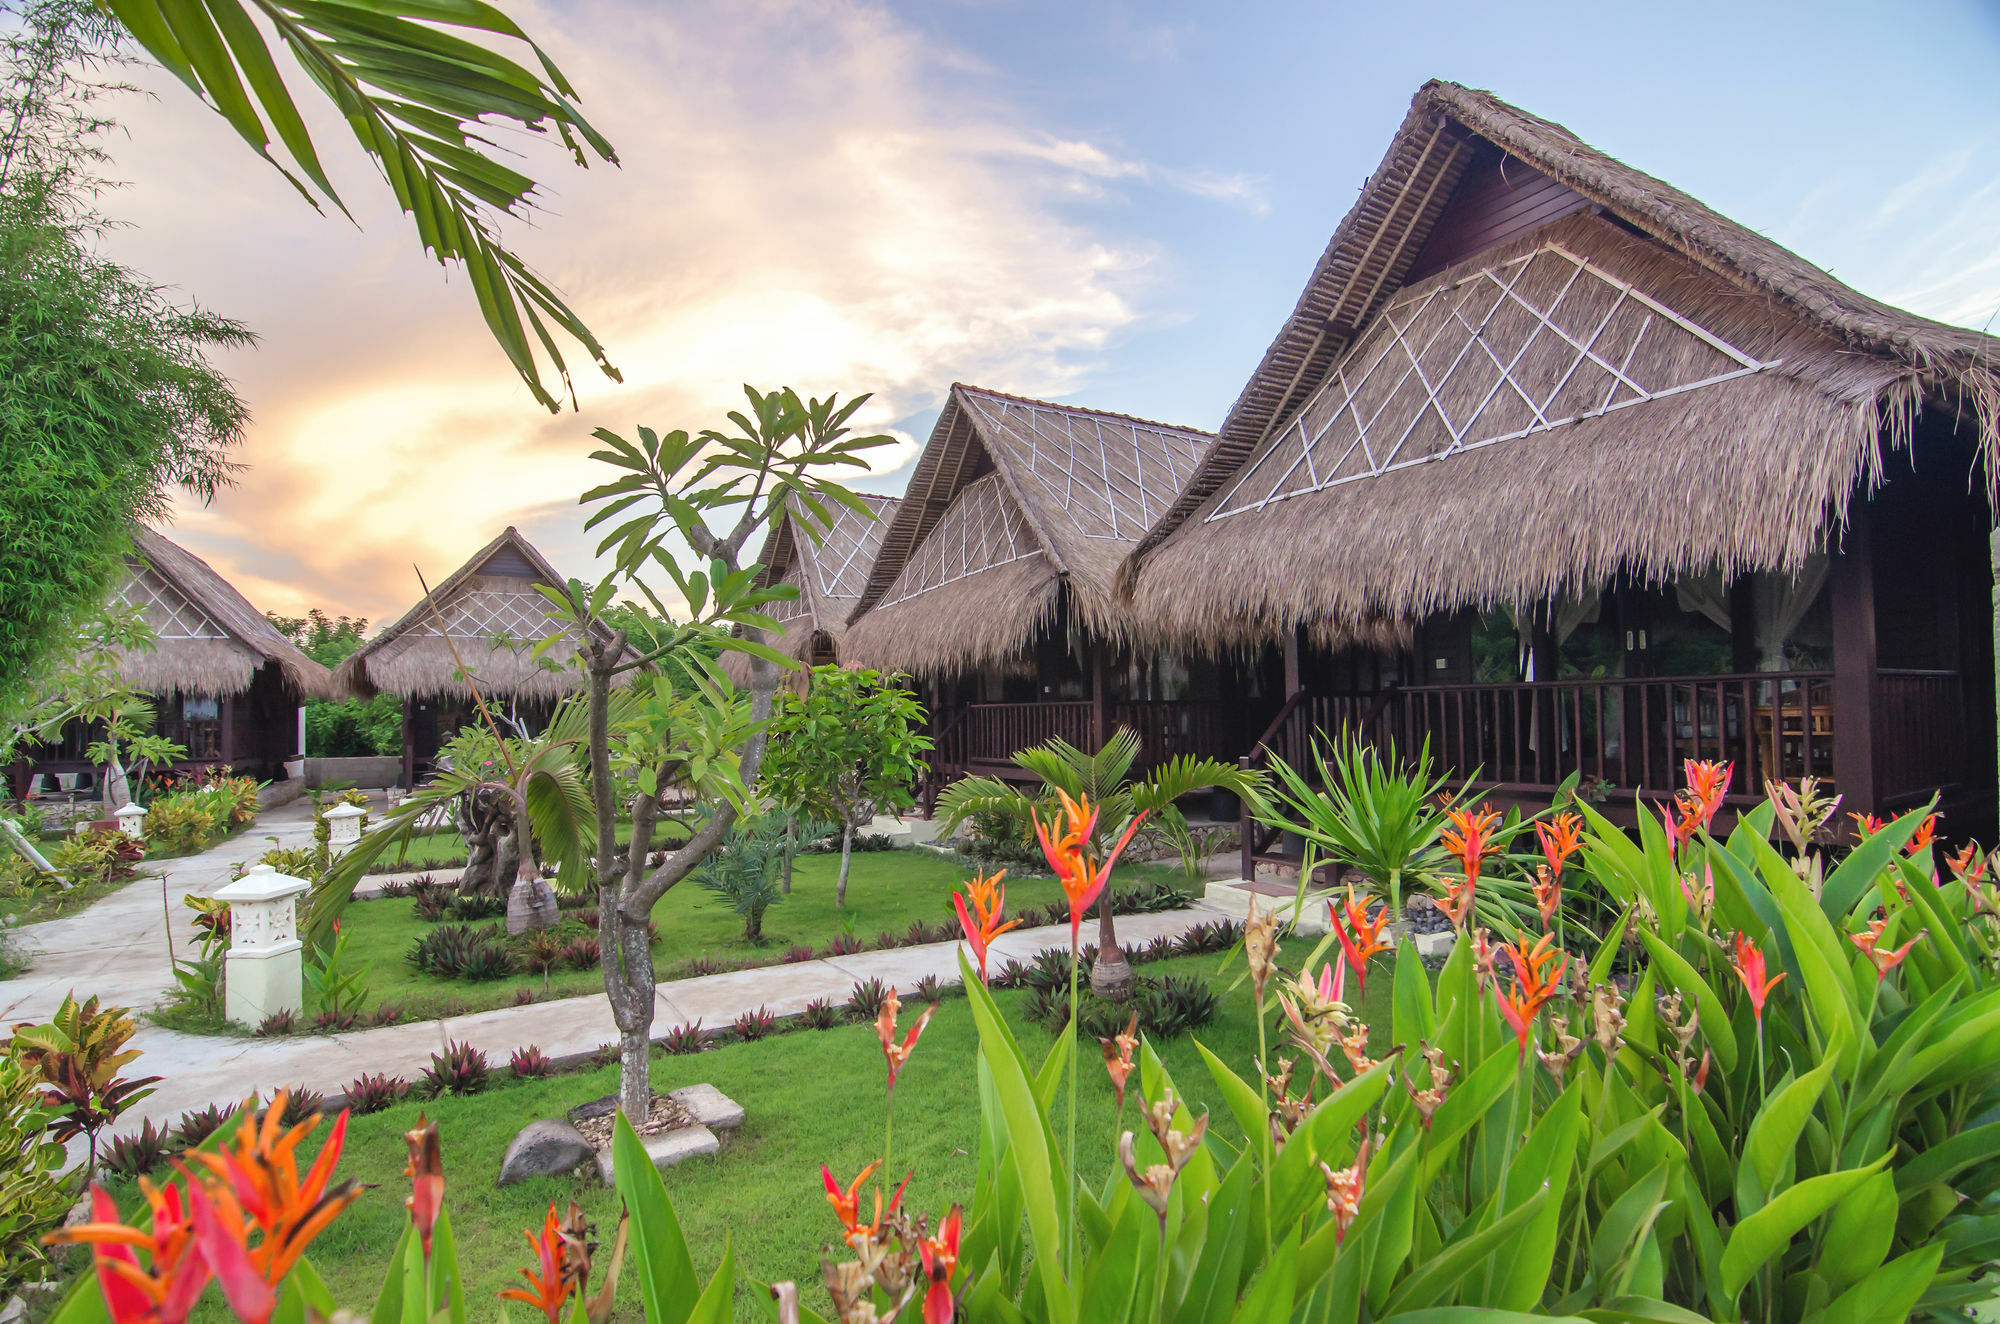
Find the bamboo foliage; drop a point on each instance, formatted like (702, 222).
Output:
(416, 96)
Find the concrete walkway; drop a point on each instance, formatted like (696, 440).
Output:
(116, 950)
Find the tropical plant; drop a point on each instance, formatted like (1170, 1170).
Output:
(372, 1093)
(744, 873)
(1104, 780)
(337, 983)
(530, 1061)
(137, 1154)
(198, 1124)
(848, 749)
(199, 984)
(79, 1054)
(179, 823)
(33, 1196)
(459, 1069)
(682, 1039)
(97, 857)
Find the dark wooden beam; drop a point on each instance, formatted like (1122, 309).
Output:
(1292, 681)
(409, 745)
(1100, 695)
(1854, 665)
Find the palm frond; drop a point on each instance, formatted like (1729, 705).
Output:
(977, 795)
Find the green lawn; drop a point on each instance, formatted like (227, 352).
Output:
(885, 890)
(812, 1098)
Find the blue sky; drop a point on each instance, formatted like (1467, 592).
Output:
(1109, 204)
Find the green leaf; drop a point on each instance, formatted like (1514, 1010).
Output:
(1859, 1234)
(1251, 1114)
(1270, 1297)
(1544, 1161)
(1942, 1162)
(1774, 1131)
(667, 1283)
(1442, 1273)
(1848, 883)
(718, 1300)
(1890, 1292)
(1627, 1222)
(1770, 1230)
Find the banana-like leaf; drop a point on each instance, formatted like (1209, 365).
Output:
(1770, 1230)
(1862, 1228)
(1890, 1292)
(417, 97)
(667, 1283)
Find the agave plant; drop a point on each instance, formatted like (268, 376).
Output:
(1105, 780)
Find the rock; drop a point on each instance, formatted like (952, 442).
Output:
(666, 1148)
(1435, 944)
(543, 1149)
(710, 1106)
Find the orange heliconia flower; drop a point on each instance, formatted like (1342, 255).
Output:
(257, 1187)
(1561, 838)
(1921, 838)
(1068, 854)
(1707, 784)
(1548, 894)
(847, 1203)
(1869, 943)
(1469, 839)
(940, 1259)
(1750, 969)
(988, 897)
(165, 1289)
(1118, 1050)
(1360, 935)
(1457, 903)
(1969, 865)
(426, 1174)
(1532, 987)
(896, 1054)
(563, 1270)
(1867, 825)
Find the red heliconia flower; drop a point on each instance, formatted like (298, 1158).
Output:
(1921, 838)
(1548, 895)
(1532, 988)
(1969, 865)
(988, 896)
(547, 1290)
(1082, 878)
(1701, 1072)
(896, 1054)
(257, 1187)
(940, 1257)
(1469, 839)
(1360, 935)
(163, 1290)
(1560, 838)
(1867, 825)
(426, 1174)
(1750, 969)
(846, 1203)
(1883, 961)
(1707, 784)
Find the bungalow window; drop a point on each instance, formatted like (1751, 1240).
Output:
(194, 722)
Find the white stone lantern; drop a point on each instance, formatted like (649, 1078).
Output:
(132, 821)
(263, 967)
(343, 825)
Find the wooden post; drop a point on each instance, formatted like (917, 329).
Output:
(1100, 697)
(227, 710)
(1854, 666)
(1292, 682)
(409, 744)
(1246, 830)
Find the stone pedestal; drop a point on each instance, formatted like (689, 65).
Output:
(132, 822)
(263, 967)
(343, 825)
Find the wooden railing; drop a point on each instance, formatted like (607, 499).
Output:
(983, 737)
(1920, 740)
(1628, 732)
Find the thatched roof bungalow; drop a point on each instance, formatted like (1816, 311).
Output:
(1525, 376)
(1015, 520)
(226, 684)
(829, 567)
(486, 615)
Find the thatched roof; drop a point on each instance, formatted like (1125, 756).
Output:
(828, 565)
(1012, 501)
(495, 618)
(1639, 385)
(209, 640)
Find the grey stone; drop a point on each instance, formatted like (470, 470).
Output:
(543, 1149)
(666, 1148)
(710, 1106)
(1435, 944)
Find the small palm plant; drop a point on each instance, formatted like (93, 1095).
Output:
(1105, 780)
(745, 871)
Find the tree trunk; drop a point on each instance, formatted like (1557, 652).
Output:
(117, 788)
(791, 846)
(846, 854)
(1110, 974)
(531, 904)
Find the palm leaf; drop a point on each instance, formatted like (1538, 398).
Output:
(414, 94)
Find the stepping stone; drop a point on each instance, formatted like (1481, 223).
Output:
(1435, 944)
(709, 1106)
(544, 1149)
(666, 1148)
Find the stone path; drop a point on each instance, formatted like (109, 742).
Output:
(116, 950)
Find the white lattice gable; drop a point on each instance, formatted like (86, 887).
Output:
(1542, 341)
(795, 608)
(166, 608)
(981, 529)
(842, 558)
(1110, 476)
(506, 608)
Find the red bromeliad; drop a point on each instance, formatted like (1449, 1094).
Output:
(1750, 969)
(940, 1257)
(1360, 935)
(1082, 878)
(988, 897)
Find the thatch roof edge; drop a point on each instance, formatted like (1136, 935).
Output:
(247, 627)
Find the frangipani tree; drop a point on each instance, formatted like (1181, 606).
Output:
(1105, 779)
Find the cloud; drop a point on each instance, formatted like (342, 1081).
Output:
(810, 196)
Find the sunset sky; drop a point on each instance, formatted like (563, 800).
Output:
(1109, 204)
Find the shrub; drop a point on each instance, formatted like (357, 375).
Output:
(371, 1094)
(524, 997)
(198, 1124)
(1179, 1005)
(433, 902)
(182, 822)
(573, 900)
(97, 857)
(604, 1055)
(931, 989)
(300, 1103)
(820, 1015)
(580, 953)
(386, 1013)
(1050, 969)
(460, 1069)
(845, 944)
(797, 953)
(396, 888)
(529, 1062)
(277, 1023)
(755, 1024)
(917, 934)
(472, 906)
(1159, 949)
(539, 951)
(866, 1001)
(1210, 936)
(1012, 974)
(685, 1039)
(334, 1022)
(137, 1154)
(744, 873)
(455, 951)
(886, 940)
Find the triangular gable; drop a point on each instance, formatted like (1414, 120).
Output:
(169, 611)
(492, 595)
(982, 529)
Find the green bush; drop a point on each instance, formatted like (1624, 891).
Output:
(96, 857)
(33, 1199)
(180, 822)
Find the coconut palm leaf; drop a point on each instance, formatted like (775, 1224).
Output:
(417, 98)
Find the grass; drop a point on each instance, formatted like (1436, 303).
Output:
(811, 1097)
(886, 890)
